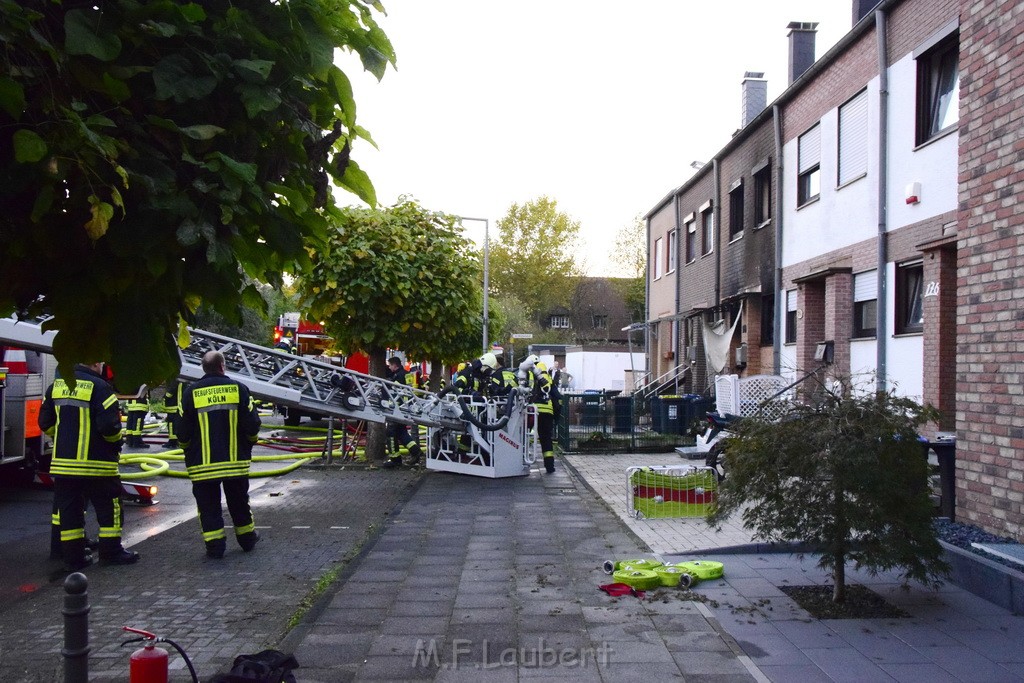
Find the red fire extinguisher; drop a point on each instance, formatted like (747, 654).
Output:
(148, 664)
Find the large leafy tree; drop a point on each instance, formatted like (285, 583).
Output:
(534, 257)
(629, 255)
(848, 477)
(400, 277)
(158, 155)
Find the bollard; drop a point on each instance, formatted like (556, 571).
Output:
(330, 440)
(76, 629)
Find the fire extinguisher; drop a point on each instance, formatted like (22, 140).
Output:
(148, 664)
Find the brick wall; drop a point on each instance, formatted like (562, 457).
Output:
(839, 320)
(990, 300)
(810, 325)
(940, 335)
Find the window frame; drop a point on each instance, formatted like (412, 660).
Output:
(553, 319)
(599, 321)
(853, 128)
(762, 196)
(808, 179)
(736, 211)
(865, 304)
(691, 239)
(659, 258)
(671, 257)
(909, 297)
(791, 304)
(707, 229)
(929, 61)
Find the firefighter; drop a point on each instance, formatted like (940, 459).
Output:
(172, 399)
(399, 433)
(85, 425)
(472, 377)
(533, 372)
(218, 428)
(137, 407)
(502, 380)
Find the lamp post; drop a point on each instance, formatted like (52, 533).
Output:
(487, 227)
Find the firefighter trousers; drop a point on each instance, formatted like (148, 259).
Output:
(71, 494)
(236, 493)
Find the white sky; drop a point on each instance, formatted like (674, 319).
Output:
(599, 105)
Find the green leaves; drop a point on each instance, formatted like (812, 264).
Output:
(28, 146)
(86, 34)
(162, 153)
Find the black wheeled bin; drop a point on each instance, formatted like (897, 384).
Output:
(672, 409)
(623, 414)
(592, 407)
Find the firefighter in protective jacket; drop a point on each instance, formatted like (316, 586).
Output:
(400, 432)
(85, 424)
(218, 428)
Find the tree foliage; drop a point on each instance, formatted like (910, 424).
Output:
(399, 277)
(850, 478)
(629, 254)
(534, 255)
(155, 156)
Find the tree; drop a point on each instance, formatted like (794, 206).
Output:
(630, 256)
(155, 156)
(400, 277)
(533, 257)
(850, 478)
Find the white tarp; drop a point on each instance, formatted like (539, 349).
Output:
(717, 341)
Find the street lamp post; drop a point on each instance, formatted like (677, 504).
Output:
(487, 248)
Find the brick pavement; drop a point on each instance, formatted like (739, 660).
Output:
(311, 520)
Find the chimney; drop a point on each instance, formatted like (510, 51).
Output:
(862, 8)
(801, 47)
(755, 96)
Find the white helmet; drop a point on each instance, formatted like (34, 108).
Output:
(529, 362)
(489, 360)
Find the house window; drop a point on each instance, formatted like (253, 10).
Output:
(791, 316)
(853, 138)
(938, 88)
(707, 228)
(762, 196)
(808, 182)
(768, 320)
(691, 241)
(560, 322)
(865, 304)
(673, 250)
(736, 212)
(909, 305)
(659, 258)
(600, 322)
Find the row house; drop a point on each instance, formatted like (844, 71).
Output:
(869, 214)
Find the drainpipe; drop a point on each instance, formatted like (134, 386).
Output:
(779, 299)
(716, 211)
(647, 303)
(679, 281)
(883, 150)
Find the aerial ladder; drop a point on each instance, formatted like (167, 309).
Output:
(482, 437)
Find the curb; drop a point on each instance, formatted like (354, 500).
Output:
(995, 582)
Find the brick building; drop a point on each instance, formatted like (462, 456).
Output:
(870, 206)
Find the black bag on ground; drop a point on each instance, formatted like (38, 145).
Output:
(268, 666)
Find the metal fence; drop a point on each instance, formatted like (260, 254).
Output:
(609, 422)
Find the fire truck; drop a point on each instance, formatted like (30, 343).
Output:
(24, 376)
(481, 437)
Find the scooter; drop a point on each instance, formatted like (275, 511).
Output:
(712, 441)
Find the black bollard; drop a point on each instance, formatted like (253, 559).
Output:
(76, 629)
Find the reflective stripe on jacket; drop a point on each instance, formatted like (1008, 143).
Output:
(219, 425)
(85, 423)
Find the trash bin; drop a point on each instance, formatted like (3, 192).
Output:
(696, 410)
(672, 409)
(623, 414)
(592, 407)
(657, 417)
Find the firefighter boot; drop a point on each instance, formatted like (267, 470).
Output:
(171, 444)
(121, 557)
(415, 452)
(549, 464)
(215, 548)
(392, 463)
(248, 541)
(76, 556)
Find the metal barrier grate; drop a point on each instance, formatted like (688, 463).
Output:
(670, 491)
